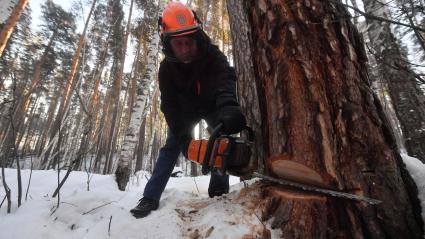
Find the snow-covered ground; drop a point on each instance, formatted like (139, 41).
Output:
(185, 209)
(103, 212)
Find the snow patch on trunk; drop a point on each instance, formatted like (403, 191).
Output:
(417, 170)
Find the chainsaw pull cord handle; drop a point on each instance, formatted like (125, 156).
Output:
(215, 133)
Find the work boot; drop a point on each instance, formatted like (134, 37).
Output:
(219, 185)
(217, 192)
(145, 206)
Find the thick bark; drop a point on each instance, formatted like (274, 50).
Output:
(406, 96)
(319, 111)
(247, 86)
(7, 30)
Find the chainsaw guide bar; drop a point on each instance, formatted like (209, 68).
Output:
(320, 190)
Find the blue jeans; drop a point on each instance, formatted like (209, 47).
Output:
(164, 166)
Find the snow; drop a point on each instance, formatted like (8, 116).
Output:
(417, 170)
(184, 211)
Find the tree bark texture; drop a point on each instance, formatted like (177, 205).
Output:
(244, 66)
(7, 30)
(318, 110)
(406, 96)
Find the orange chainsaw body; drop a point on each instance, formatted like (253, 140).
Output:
(197, 149)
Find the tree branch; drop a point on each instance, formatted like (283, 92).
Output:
(370, 16)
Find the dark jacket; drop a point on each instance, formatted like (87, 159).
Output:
(194, 91)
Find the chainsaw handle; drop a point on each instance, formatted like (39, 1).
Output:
(215, 133)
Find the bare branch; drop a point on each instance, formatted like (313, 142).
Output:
(370, 16)
(84, 213)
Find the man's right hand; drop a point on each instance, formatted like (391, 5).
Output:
(232, 118)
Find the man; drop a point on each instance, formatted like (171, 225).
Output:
(196, 82)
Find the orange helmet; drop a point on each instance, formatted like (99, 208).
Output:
(178, 20)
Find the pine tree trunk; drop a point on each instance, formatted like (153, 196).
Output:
(154, 124)
(23, 104)
(97, 138)
(406, 96)
(117, 70)
(140, 146)
(44, 135)
(123, 169)
(7, 30)
(69, 87)
(319, 111)
(247, 86)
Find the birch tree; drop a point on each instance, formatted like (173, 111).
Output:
(132, 133)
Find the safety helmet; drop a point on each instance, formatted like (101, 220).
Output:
(178, 20)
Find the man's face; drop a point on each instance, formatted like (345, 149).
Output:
(185, 48)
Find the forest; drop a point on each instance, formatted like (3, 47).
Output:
(338, 86)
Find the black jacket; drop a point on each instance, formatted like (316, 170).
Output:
(194, 91)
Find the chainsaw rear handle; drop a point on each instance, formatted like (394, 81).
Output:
(214, 135)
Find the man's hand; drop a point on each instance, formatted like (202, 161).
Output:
(232, 118)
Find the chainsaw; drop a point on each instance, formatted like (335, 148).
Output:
(226, 154)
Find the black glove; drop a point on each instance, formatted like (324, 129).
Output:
(184, 142)
(232, 118)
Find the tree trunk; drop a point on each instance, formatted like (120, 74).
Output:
(248, 90)
(41, 142)
(318, 111)
(123, 169)
(406, 96)
(120, 48)
(153, 125)
(69, 86)
(23, 104)
(140, 146)
(7, 30)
